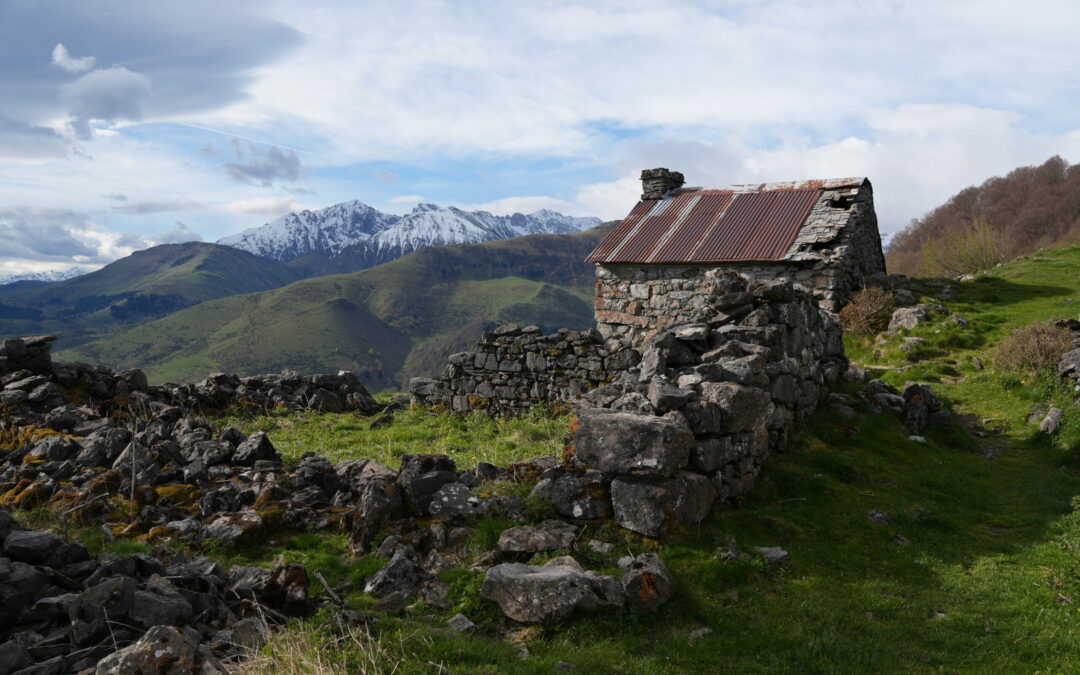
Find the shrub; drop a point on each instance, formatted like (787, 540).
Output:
(965, 252)
(1034, 347)
(868, 312)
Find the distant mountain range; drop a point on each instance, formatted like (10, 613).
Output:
(144, 286)
(352, 236)
(43, 277)
(388, 322)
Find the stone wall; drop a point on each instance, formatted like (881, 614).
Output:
(707, 405)
(668, 428)
(831, 256)
(28, 353)
(515, 367)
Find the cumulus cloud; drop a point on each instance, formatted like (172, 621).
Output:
(263, 167)
(36, 237)
(108, 95)
(62, 58)
(44, 234)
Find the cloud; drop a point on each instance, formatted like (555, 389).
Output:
(268, 206)
(266, 166)
(145, 208)
(63, 59)
(384, 176)
(178, 235)
(24, 142)
(108, 95)
(44, 234)
(406, 199)
(117, 196)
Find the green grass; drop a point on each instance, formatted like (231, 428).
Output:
(468, 440)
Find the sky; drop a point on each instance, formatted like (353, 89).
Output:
(125, 123)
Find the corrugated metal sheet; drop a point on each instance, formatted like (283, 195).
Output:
(747, 223)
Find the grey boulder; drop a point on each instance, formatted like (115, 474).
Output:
(620, 442)
(533, 594)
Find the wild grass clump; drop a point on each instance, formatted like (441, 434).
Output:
(868, 312)
(310, 648)
(1034, 347)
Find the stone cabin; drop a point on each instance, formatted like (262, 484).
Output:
(660, 263)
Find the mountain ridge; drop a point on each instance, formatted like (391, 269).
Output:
(353, 235)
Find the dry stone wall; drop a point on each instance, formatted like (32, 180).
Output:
(515, 367)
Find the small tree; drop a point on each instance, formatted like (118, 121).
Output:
(868, 312)
(967, 252)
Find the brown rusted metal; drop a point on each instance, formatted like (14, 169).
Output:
(699, 225)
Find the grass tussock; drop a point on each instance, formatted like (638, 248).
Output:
(312, 649)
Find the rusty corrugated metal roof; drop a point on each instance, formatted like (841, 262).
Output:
(743, 222)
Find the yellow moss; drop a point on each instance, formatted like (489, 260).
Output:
(182, 494)
(13, 437)
(478, 402)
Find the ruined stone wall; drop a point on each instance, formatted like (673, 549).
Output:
(708, 404)
(28, 353)
(830, 258)
(514, 368)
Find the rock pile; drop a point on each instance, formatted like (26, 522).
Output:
(62, 611)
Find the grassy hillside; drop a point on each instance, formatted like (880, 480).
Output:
(388, 323)
(141, 287)
(973, 568)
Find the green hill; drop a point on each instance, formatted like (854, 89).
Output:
(146, 285)
(388, 323)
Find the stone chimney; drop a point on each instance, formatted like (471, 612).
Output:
(655, 183)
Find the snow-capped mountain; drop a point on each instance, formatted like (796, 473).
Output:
(368, 237)
(323, 232)
(51, 275)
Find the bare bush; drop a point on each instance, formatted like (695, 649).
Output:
(1034, 347)
(868, 312)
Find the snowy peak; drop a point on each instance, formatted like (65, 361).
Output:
(372, 237)
(50, 276)
(323, 232)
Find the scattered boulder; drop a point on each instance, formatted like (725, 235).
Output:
(162, 650)
(402, 575)
(647, 583)
(1051, 422)
(547, 536)
(455, 503)
(531, 594)
(31, 547)
(908, 317)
